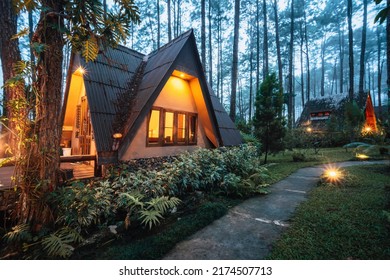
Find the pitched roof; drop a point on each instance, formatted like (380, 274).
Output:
(112, 74)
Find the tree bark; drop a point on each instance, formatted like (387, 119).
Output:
(210, 49)
(235, 60)
(323, 66)
(13, 95)
(265, 41)
(44, 155)
(380, 64)
(301, 64)
(257, 45)
(203, 33)
(388, 59)
(341, 54)
(290, 70)
(307, 59)
(158, 24)
(350, 47)
(363, 48)
(278, 54)
(169, 21)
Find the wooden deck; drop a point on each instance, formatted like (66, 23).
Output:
(81, 170)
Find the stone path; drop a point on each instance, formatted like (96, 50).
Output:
(248, 230)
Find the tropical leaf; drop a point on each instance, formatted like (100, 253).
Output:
(150, 217)
(90, 49)
(21, 33)
(163, 203)
(59, 243)
(18, 233)
(382, 15)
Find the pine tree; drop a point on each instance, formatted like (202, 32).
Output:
(269, 122)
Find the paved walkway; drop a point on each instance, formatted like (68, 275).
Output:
(248, 230)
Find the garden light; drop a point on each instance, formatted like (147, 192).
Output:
(309, 129)
(362, 156)
(333, 175)
(81, 70)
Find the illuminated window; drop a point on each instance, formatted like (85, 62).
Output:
(168, 127)
(154, 127)
(181, 128)
(171, 128)
(192, 129)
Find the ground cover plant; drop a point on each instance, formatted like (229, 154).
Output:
(131, 198)
(347, 220)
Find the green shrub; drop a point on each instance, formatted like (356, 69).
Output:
(298, 157)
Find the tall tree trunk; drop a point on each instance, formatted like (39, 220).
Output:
(257, 45)
(13, 95)
(301, 64)
(210, 49)
(235, 60)
(203, 33)
(278, 54)
(363, 48)
(250, 74)
(158, 24)
(290, 70)
(265, 40)
(341, 54)
(323, 66)
(44, 154)
(178, 17)
(307, 58)
(380, 64)
(388, 59)
(169, 21)
(350, 47)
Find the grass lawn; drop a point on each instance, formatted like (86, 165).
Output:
(281, 165)
(342, 222)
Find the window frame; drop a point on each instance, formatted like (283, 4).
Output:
(175, 142)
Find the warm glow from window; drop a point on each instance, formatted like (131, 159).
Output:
(154, 126)
(192, 129)
(172, 128)
(181, 128)
(168, 128)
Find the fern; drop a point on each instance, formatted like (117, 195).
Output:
(163, 203)
(150, 217)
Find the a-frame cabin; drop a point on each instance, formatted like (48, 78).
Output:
(127, 105)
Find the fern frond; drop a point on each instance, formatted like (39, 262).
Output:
(131, 200)
(163, 203)
(150, 217)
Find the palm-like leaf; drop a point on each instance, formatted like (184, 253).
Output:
(59, 243)
(90, 49)
(150, 217)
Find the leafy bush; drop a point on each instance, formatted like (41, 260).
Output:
(298, 157)
(144, 195)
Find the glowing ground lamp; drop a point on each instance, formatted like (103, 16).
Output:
(362, 156)
(333, 175)
(309, 129)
